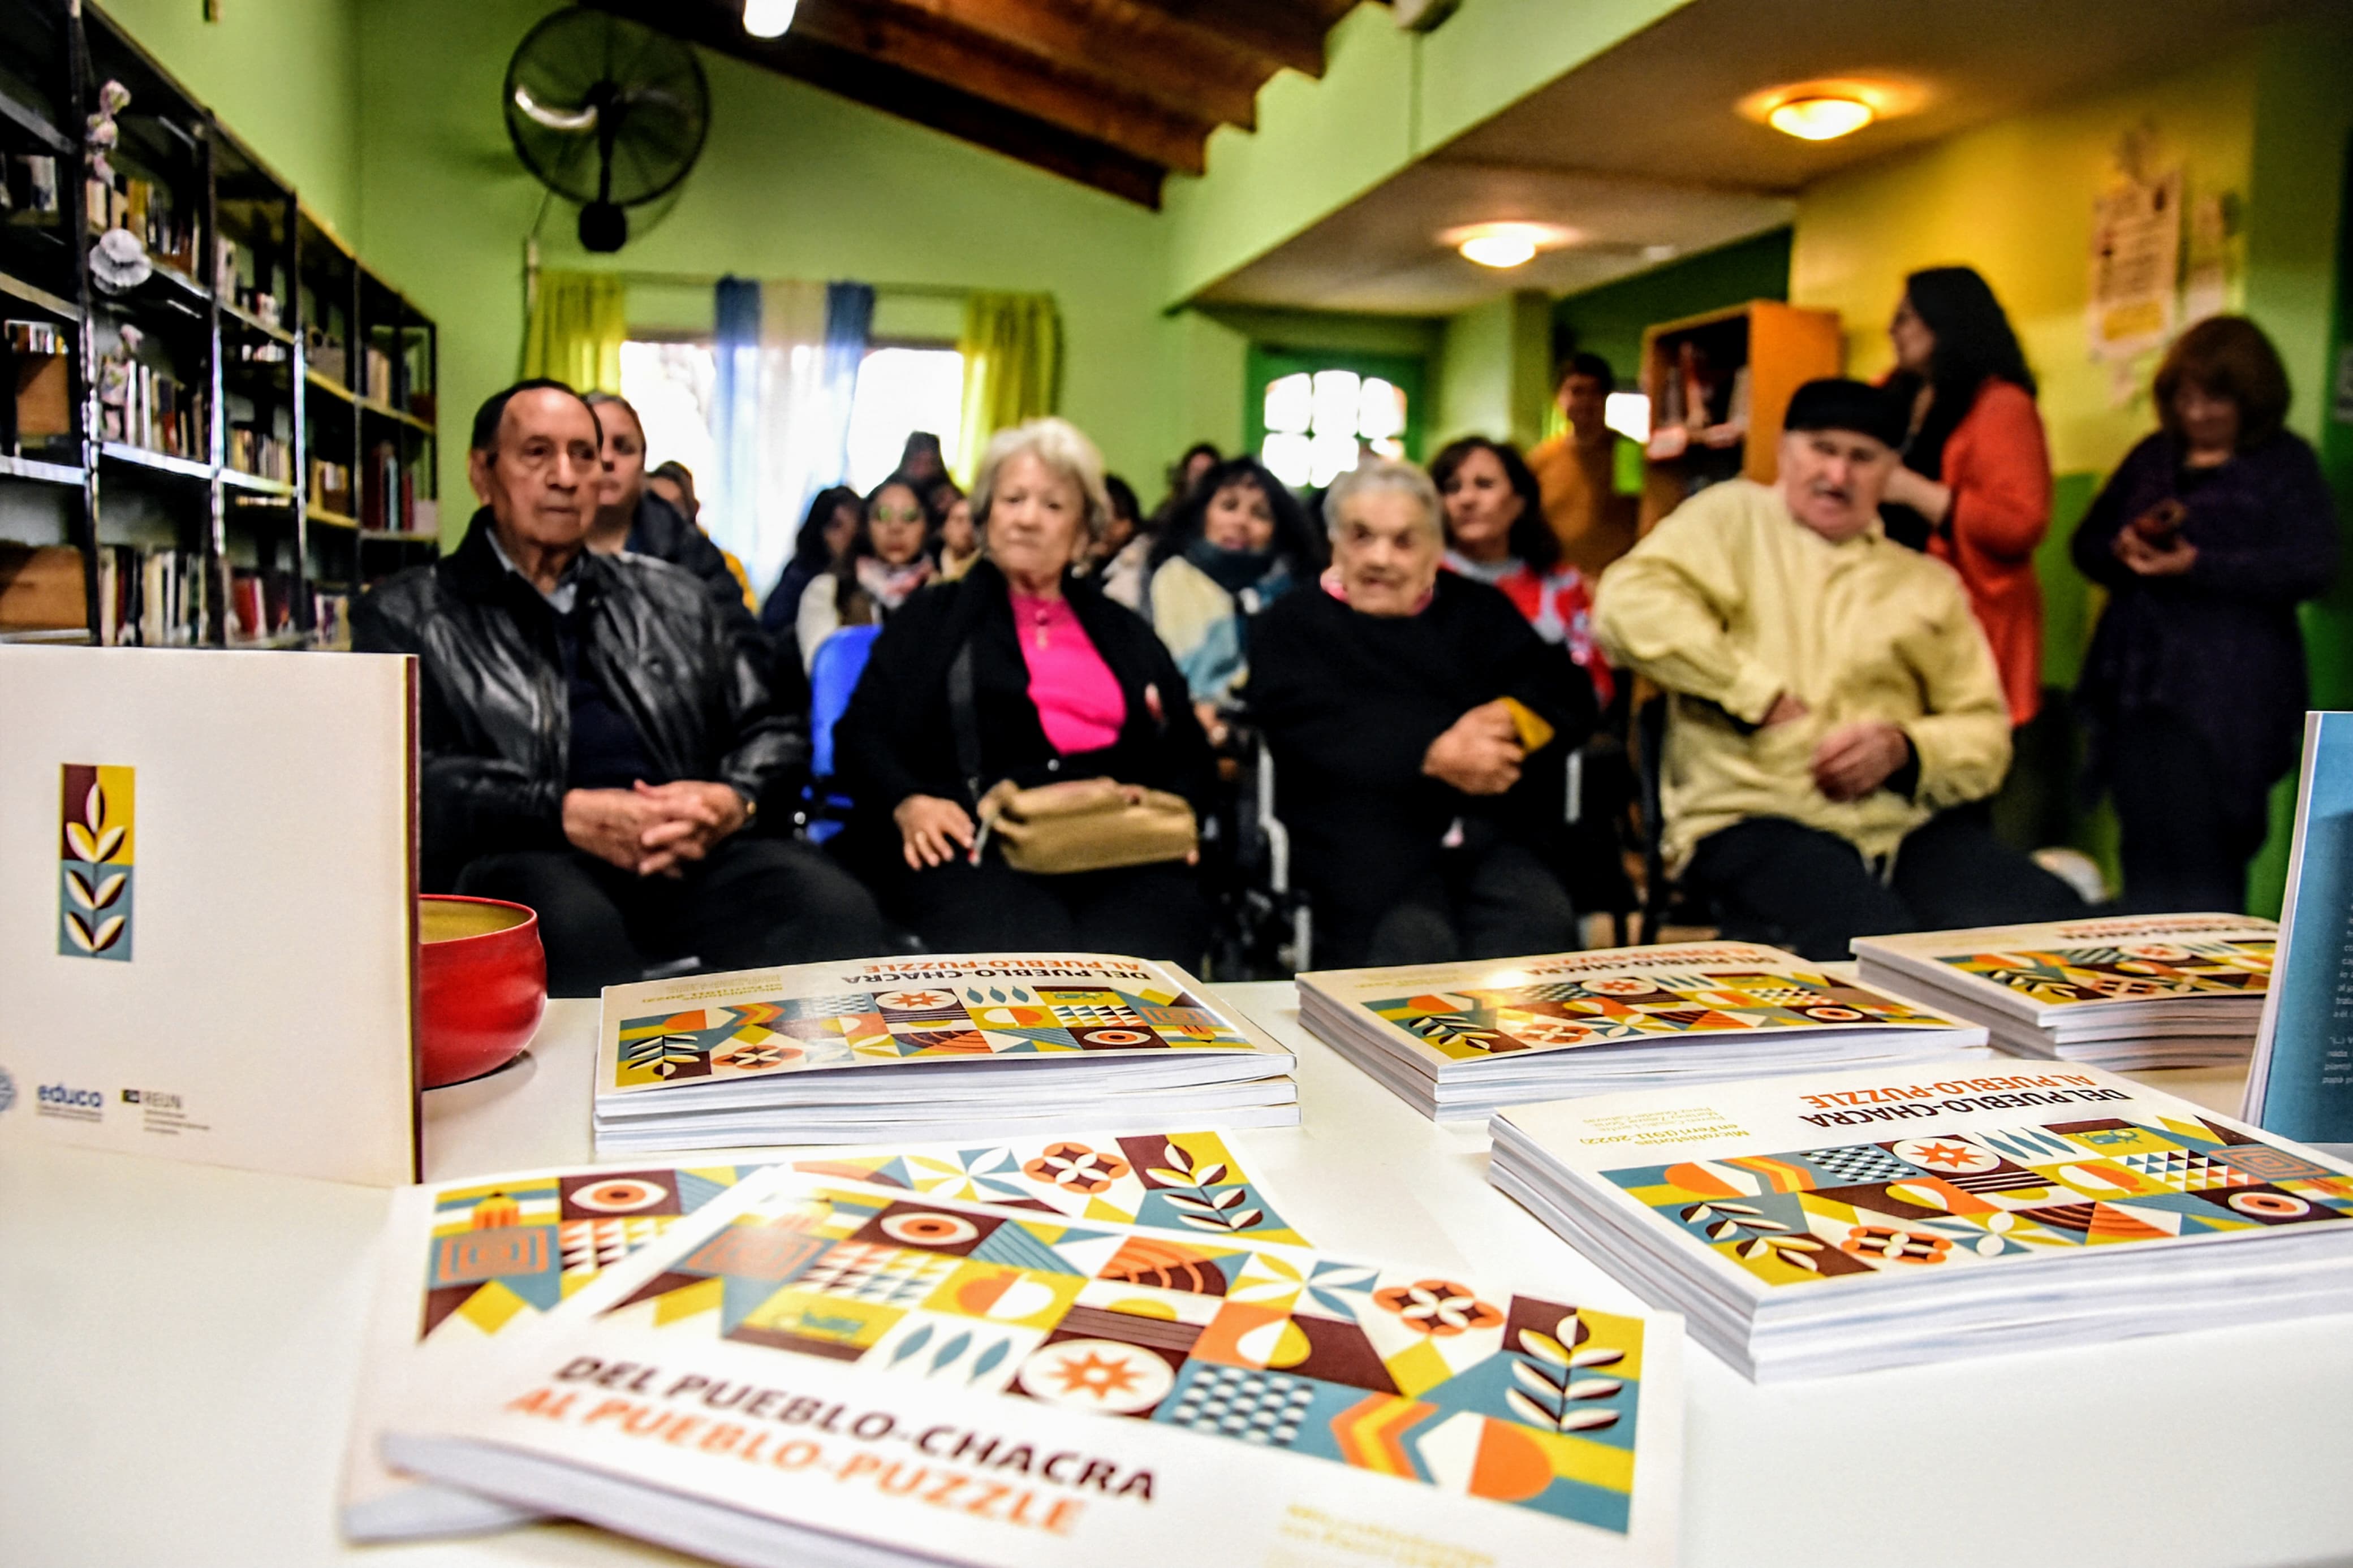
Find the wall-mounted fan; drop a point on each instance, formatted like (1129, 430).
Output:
(607, 114)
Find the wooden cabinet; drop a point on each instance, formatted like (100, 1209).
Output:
(1719, 384)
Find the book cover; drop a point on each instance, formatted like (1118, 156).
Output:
(207, 940)
(1861, 1181)
(463, 1262)
(1446, 1016)
(2047, 970)
(2300, 1083)
(858, 1367)
(932, 1010)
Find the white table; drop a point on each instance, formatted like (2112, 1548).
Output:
(178, 1347)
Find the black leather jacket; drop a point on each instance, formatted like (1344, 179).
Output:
(494, 710)
(660, 532)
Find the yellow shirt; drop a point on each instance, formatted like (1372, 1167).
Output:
(1594, 523)
(1732, 601)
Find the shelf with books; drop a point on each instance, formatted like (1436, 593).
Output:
(1718, 385)
(45, 473)
(20, 292)
(213, 418)
(159, 462)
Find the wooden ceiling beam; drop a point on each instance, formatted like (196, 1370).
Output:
(916, 41)
(908, 96)
(1131, 49)
(1282, 33)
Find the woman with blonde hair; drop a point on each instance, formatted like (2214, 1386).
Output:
(1021, 671)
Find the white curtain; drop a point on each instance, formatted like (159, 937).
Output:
(799, 431)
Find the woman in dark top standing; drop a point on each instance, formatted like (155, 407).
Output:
(1420, 803)
(1064, 685)
(2206, 538)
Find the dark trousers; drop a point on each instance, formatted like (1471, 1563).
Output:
(1494, 901)
(1778, 881)
(2187, 831)
(1139, 912)
(750, 903)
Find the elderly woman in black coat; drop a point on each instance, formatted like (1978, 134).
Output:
(2207, 537)
(1418, 726)
(1064, 684)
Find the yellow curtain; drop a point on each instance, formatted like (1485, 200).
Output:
(1012, 348)
(578, 320)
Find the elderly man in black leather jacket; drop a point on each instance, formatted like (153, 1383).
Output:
(593, 740)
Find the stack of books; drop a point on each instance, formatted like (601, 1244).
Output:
(1834, 1224)
(1458, 1040)
(939, 1046)
(464, 1263)
(2147, 991)
(814, 1371)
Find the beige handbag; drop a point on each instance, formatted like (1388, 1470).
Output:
(1087, 825)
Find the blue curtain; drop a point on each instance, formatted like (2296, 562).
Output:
(735, 419)
(849, 323)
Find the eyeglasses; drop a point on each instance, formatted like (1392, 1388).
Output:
(898, 514)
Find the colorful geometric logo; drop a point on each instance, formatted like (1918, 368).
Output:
(95, 850)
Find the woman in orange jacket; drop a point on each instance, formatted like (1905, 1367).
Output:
(1975, 487)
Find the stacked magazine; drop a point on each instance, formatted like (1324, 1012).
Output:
(936, 1046)
(462, 1263)
(1848, 1222)
(816, 1371)
(1458, 1040)
(2143, 991)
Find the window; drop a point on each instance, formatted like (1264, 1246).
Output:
(1312, 414)
(901, 391)
(671, 386)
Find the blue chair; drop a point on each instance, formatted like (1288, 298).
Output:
(833, 676)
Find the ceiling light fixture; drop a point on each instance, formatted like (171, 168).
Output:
(1505, 246)
(767, 18)
(1820, 118)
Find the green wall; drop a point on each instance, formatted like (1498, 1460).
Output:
(282, 74)
(1386, 97)
(1610, 321)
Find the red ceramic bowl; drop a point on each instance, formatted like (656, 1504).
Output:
(481, 982)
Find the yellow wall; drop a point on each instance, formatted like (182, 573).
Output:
(2014, 199)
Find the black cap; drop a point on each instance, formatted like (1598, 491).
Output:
(1835, 403)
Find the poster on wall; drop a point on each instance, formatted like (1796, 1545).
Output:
(2136, 265)
(208, 941)
(2300, 1083)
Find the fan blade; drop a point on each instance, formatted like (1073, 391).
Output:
(555, 119)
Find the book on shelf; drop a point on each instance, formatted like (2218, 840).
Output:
(153, 598)
(144, 208)
(1838, 1223)
(140, 406)
(2300, 1082)
(331, 486)
(936, 1045)
(28, 193)
(260, 605)
(262, 455)
(464, 1263)
(331, 621)
(388, 494)
(377, 367)
(822, 1370)
(2129, 991)
(1456, 1040)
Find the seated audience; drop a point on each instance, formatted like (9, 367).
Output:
(955, 542)
(2206, 539)
(922, 461)
(1497, 531)
(1121, 558)
(1577, 471)
(1402, 704)
(1060, 683)
(674, 483)
(1184, 476)
(884, 563)
(1834, 700)
(593, 741)
(827, 532)
(630, 517)
(1240, 543)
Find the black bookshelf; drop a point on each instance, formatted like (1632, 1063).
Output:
(249, 432)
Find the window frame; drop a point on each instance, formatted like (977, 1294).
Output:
(1266, 365)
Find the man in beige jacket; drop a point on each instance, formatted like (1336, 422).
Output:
(1835, 712)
